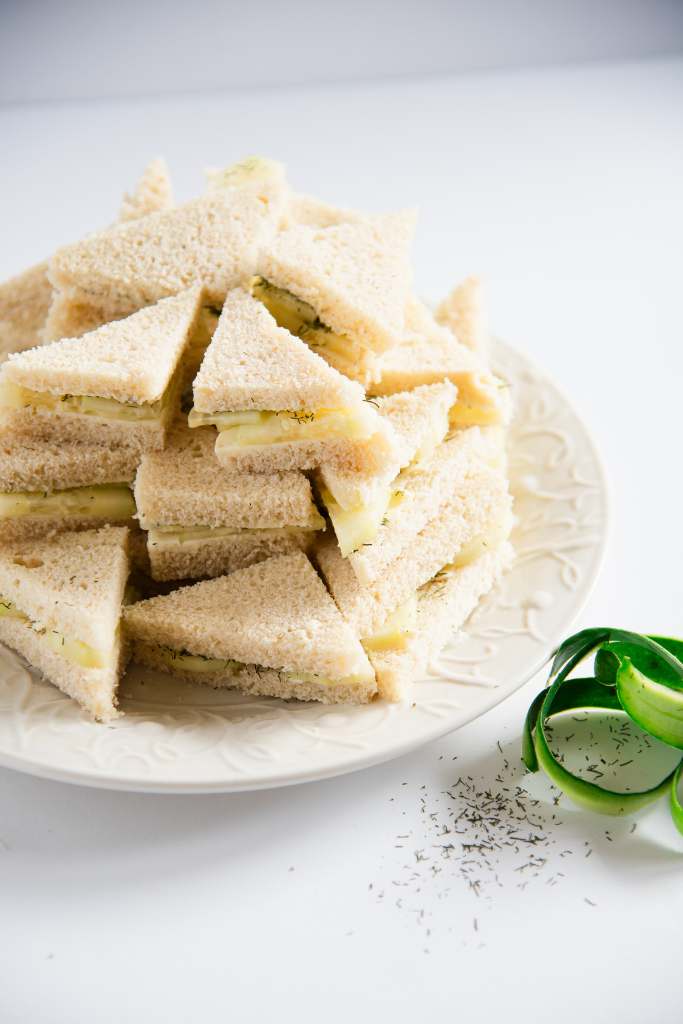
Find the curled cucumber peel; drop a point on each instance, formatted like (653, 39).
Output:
(641, 676)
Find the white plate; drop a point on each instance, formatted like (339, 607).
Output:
(191, 739)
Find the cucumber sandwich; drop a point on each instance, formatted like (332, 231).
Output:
(47, 487)
(60, 607)
(116, 385)
(342, 289)
(359, 502)
(269, 629)
(276, 404)
(204, 519)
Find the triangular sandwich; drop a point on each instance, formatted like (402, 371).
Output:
(278, 405)
(342, 289)
(116, 385)
(442, 607)
(69, 316)
(206, 520)
(60, 607)
(214, 241)
(269, 629)
(358, 501)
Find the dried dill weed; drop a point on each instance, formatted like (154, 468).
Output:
(490, 836)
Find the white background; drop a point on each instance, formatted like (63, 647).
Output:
(563, 187)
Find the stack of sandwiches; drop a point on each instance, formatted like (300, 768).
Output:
(242, 399)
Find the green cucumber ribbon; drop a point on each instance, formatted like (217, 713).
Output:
(641, 676)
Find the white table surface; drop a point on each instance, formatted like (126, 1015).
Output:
(563, 187)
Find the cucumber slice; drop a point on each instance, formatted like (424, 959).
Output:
(12, 396)
(397, 631)
(106, 501)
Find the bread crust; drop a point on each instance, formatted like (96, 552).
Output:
(263, 682)
(28, 464)
(207, 558)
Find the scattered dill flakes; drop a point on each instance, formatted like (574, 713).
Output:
(478, 834)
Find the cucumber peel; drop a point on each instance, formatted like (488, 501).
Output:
(637, 675)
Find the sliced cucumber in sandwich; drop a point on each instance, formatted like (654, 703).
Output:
(103, 501)
(73, 650)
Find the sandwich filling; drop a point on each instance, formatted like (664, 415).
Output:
(168, 536)
(479, 402)
(74, 651)
(15, 396)
(203, 665)
(480, 545)
(359, 526)
(253, 429)
(397, 631)
(113, 502)
(300, 318)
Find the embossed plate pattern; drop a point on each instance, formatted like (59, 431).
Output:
(180, 738)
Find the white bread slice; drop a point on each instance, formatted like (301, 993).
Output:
(24, 303)
(480, 505)
(184, 485)
(423, 489)
(430, 353)
(196, 559)
(34, 465)
(275, 615)
(73, 585)
(252, 363)
(131, 361)
(30, 313)
(153, 192)
(214, 240)
(419, 420)
(464, 314)
(442, 609)
(68, 317)
(356, 275)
